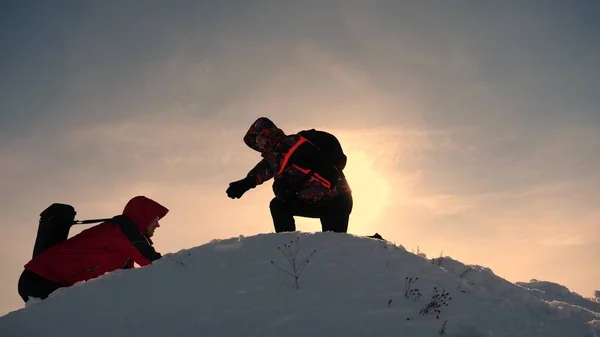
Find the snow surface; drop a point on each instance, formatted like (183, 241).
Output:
(352, 286)
(550, 291)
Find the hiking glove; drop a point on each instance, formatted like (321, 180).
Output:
(238, 188)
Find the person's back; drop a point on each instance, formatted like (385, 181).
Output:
(89, 254)
(111, 245)
(328, 144)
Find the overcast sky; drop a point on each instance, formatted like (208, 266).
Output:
(472, 128)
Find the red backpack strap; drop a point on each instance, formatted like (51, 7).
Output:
(289, 154)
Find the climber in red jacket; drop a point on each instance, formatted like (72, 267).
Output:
(114, 244)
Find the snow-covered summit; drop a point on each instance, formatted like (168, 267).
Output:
(553, 292)
(351, 286)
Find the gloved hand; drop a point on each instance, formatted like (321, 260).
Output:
(238, 188)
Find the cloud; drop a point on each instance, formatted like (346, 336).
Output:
(442, 205)
(557, 242)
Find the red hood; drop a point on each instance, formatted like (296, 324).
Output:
(142, 211)
(261, 124)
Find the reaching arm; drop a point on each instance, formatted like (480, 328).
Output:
(264, 170)
(129, 264)
(137, 246)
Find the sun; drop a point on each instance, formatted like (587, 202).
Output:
(370, 192)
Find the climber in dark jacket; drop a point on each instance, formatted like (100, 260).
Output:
(307, 168)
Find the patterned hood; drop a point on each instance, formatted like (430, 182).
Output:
(270, 135)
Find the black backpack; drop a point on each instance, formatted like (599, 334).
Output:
(55, 224)
(328, 144)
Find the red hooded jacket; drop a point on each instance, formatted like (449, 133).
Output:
(111, 245)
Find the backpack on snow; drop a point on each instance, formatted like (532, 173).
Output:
(328, 144)
(55, 224)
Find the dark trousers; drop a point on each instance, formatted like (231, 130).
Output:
(334, 215)
(50, 232)
(33, 285)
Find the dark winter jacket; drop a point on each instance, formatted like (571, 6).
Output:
(111, 245)
(307, 166)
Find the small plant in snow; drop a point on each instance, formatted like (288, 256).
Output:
(439, 260)
(291, 254)
(443, 328)
(464, 272)
(420, 253)
(409, 291)
(438, 300)
(177, 258)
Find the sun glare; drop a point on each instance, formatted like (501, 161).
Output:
(370, 192)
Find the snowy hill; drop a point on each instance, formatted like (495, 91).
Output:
(352, 286)
(550, 291)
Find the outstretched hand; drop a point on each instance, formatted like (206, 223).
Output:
(238, 188)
